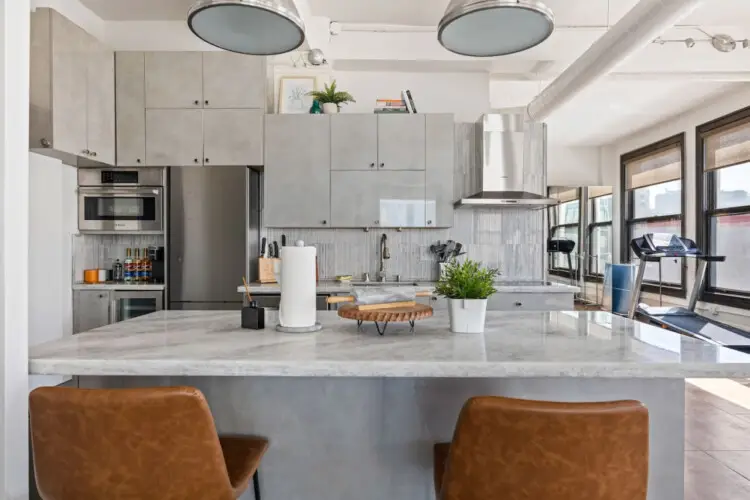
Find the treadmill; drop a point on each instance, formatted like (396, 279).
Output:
(653, 247)
(566, 247)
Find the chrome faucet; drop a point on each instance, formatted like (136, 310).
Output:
(385, 254)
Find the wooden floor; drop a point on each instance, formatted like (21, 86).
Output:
(717, 444)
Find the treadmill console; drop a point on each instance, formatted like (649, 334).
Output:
(561, 245)
(661, 245)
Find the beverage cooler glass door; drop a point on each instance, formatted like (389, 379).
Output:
(121, 209)
(129, 305)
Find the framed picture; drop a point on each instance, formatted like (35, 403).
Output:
(293, 96)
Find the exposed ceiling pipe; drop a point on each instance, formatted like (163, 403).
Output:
(641, 76)
(647, 20)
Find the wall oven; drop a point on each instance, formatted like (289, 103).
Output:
(121, 201)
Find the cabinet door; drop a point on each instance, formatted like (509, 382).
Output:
(174, 80)
(297, 171)
(69, 75)
(101, 102)
(233, 137)
(130, 81)
(354, 142)
(440, 139)
(401, 142)
(90, 309)
(377, 199)
(233, 80)
(174, 137)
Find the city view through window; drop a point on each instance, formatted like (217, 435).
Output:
(730, 234)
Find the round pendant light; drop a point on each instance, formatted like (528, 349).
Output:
(256, 27)
(486, 28)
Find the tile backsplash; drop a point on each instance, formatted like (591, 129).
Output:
(100, 251)
(509, 239)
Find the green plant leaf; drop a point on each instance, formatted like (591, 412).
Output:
(468, 280)
(329, 94)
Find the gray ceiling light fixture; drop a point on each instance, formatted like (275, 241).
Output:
(256, 27)
(487, 28)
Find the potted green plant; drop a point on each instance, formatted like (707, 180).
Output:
(467, 286)
(330, 98)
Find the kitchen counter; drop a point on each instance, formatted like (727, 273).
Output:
(556, 344)
(119, 286)
(350, 414)
(334, 287)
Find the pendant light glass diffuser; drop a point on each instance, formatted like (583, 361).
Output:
(256, 27)
(486, 28)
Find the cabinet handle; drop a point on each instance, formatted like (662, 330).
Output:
(434, 299)
(377, 222)
(429, 222)
(205, 102)
(195, 160)
(372, 165)
(137, 160)
(85, 151)
(196, 102)
(206, 160)
(101, 295)
(93, 153)
(382, 165)
(45, 143)
(518, 304)
(325, 222)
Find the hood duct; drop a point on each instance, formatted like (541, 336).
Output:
(512, 156)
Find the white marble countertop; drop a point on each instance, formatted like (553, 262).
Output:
(549, 344)
(334, 287)
(119, 286)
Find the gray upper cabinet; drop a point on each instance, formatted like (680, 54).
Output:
(401, 142)
(91, 309)
(131, 108)
(174, 137)
(71, 91)
(233, 137)
(101, 102)
(174, 80)
(378, 199)
(354, 142)
(440, 139)
(233, 80)
(297, 171)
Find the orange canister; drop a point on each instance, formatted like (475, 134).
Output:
(91, 276)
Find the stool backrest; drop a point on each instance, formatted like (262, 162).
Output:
(510, 449)
(157, 443)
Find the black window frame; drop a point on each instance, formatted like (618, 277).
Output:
(564, 272)
(705, 183)
(592, 276)
(626, 207)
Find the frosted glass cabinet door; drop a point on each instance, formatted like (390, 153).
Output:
(401, 142)
(297, 171)
(378, 199)
(354, 142)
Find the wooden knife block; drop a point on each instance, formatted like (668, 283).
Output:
(265, 270)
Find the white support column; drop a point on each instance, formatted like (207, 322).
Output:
(14, 246)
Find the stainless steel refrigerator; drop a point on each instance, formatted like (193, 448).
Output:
(213, 227)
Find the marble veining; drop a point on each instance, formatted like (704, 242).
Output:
(550, 344)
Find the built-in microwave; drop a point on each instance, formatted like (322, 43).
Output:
(121, 201)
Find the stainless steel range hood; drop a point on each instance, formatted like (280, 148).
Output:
(512, 157)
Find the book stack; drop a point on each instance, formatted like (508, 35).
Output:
(403, 105)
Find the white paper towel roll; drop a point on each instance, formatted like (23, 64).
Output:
(297, 307)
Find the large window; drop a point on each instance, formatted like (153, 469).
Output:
(724, 206)
(564, 224)
(600, 229)
(653, 203)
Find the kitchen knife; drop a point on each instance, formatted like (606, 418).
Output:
(275, 250)
(263, 248)
(283, 240)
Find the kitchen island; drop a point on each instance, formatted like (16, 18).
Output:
(352, 415)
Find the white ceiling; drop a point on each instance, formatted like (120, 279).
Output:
(602, 113)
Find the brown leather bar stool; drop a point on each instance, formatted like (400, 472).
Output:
(512, 449)
(145, 444)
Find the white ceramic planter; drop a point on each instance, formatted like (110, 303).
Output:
(467, 315)
(330, 108)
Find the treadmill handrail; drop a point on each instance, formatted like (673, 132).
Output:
(655, 257)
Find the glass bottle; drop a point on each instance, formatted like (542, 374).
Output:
(146, 267)
(128, 267)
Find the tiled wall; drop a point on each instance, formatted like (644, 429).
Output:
(99, 251)
(509, 239)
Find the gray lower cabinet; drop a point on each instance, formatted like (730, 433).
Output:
(440, 139)
(233, 137)
(131, 108)
(91, 309)
(174, 137)
(401, 142)
(530, 302)
(297, 181)
(377, 199)
(174, 80)
(233, 80)
(354, 142)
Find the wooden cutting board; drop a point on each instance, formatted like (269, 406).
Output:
(389, 314)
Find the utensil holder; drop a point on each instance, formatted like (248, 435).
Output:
(253, 317)
(265, 270)
(441, 269)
